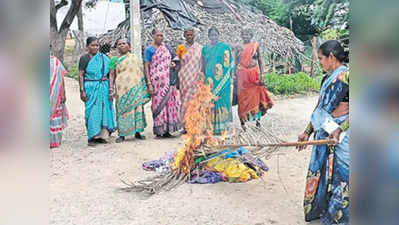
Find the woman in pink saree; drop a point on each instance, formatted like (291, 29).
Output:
(165, 100)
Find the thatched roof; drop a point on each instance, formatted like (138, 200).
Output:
(272, 37)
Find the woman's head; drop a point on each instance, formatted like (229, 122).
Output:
(157, 36)
(213, 35)
(331, 55)
(123, 45)
(247, 35)
(92, 45)
(189, 35)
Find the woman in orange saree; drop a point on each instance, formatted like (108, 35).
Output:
(253, 99)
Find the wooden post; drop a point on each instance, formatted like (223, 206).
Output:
(135, 28)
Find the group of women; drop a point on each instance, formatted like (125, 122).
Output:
(121, 78)
(169, 80)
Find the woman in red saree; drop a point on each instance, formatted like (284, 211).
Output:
(58, 111)
(253, 99)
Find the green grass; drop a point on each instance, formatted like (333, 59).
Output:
(73, 72)
(289, 84)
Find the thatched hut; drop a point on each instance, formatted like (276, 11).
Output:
(229, 17)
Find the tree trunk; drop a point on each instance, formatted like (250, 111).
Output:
(79, 49)
(291, 23)
(314, 55)
(58, 35)
(58, 43)
(80, 19)
(135, 27)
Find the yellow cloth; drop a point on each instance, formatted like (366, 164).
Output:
(129, 74)
(181, 50)
(233, 170)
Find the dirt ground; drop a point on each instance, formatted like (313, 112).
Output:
(84, 180)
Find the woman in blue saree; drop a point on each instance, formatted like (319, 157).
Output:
(327, 182)
(95, 91)
(217, 66)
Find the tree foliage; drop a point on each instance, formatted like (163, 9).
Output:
(309, 17)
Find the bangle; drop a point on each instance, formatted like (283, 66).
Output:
(345, 125)
(309, 129)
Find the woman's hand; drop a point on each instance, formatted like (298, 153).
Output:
(151, 90)
(83, 96)
(201, 77)
(63, 99)
(301, 138)
(334, 136)
(112, 94)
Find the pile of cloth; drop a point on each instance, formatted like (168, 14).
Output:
(235, 166)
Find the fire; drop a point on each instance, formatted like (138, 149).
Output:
(198, 126)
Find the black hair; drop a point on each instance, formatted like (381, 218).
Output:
(188, 29)
(213, 28)
(154, 31)
(334, 47)
(89, 40)
(125, 39)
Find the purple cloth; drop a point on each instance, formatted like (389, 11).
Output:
(252, 160)
(206, 177)
(162, 162)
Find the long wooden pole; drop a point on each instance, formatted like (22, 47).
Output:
(288, 144)
(135, 28)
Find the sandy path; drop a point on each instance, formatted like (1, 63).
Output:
(83, 180)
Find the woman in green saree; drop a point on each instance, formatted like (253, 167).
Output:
(217, 66)
(131, 92)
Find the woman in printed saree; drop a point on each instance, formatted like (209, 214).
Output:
(58, 111)
(253, 99)
(218, 66)
(165, 100)
(327, 182)
(190, 72)
(131, 92)
(95, 93)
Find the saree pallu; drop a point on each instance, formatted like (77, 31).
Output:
(99, 111)
(188, 75)
(327, 183)
(253, 100)
(58, 111)
(166, 102)
(132, 94)
(218, 70)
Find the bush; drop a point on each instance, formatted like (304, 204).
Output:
(291, 83)
(73, 72)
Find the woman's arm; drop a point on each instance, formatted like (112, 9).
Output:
(148, 78)
(203, 64)
(83, 95)
(112, 78)
(63, 98)
(260, 62)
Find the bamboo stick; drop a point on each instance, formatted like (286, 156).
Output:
(287, 144)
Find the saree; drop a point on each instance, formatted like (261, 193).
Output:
(253, 100)
(99, 111)
(165, 103)
(218, 70)
(327, 181)
(58, 110)
(132, 94)
(188, 75)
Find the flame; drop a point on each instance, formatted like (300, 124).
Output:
(198, 126)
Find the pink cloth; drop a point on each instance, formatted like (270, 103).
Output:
(165, 102)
